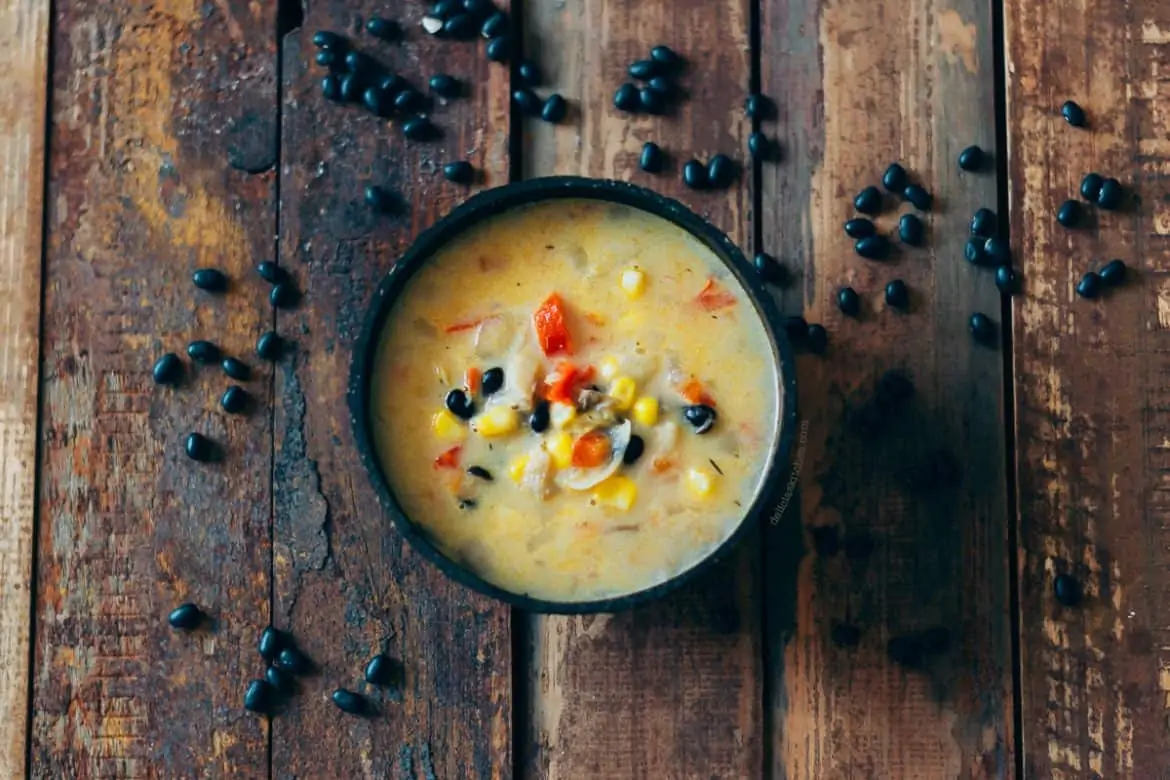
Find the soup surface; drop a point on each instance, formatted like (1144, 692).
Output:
(576, 399)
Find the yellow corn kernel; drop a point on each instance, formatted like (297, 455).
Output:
(497, 421)
(608, 367)
(560, 449)
(633, 282)
(618, 492)
(448, 426)
(646, 411)
(561, 414)
(517, 466)
(622, 391)
(700, 482)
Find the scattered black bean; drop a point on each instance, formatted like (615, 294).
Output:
(271, 272)
(651, 100)
(919, 198)
(720, 171)
(757, 107)
(348, 701)
(1089, 286)
(419, 128)
(203, 352)
(445, 9)
(974, 253)
(826, 540)
(911, 230)
(1007, 280)
(859, 228)
(292, 660)
(662, 85)
(359, 64)
(492, 381)
(499, 48)
(982, 328)
(259, 697)
(325, 39)
(700, 416)
(460, 405)
(1069, 213)
(444, 86)
(1067, 590)
(694, 175)
(350, 89)
(651, 159)
(481, 472)
(971, 158)
(983, 223)
(198, 447)
(665, 56)
(1110, 195)
(392, 84)
(529, 73)
(848, 301)
(459, 172)
(467, 503)
(894, 179)
(997, 250)
(236, 369)
(868, 201)
(905, 651)
(234, 400)
(185, 617)
(284, 295)
(897, 294)
(539, 419)
(1073, 113)
(1113, 274)
(168, 369)
(554, 109)
(382, 670)
(796, 329)
(270, 644)
(478, 8)
(331, 87)
(626, 98)
(376, 101)
(644, 70)
(408, 100)
(634, 450)
(461, 27)
(1091, 186)
(845, 635)
(527, 101)
(282, 681)
(381, 27)
(759, 146)
(210, 279)
(380, 199)
(329, 58)
(269, 346)
(495, 26)
(769, 269)
(817, 340)
(874, 247)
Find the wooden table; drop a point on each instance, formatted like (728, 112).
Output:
(182, 134)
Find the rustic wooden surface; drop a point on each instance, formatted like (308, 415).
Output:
(1091, 389)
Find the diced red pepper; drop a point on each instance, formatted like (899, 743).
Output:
(564, 385)
(693, 392)
(473, 379)
(713, 297)
(551, 327)
(460, 327)
(591, 450)
(449, 459)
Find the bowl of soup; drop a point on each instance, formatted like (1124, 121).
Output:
(573, 395)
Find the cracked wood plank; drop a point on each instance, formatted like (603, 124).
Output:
(859, 86)
(346, 584)
(1093, 429)
(671, 690)
(150, 101)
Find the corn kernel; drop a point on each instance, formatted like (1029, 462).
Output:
(633, 282)
(517, 466)
(608, 368)
(646, 411)
(447, 426)
(618, 492)
(622, 391)
(700, 482)
(561, 414)
(560, 449)
(497, 421)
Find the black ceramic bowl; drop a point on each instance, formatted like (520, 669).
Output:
(497, 201)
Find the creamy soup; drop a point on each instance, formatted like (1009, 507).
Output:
(575, 399)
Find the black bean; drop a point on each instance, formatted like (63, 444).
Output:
(495, 26)
(325, 39)
(499, 48)
(408, 100)
(873, 247)
(444, 85)
(998, 251)
(383, 670)
(539, 419)
(720, 171)
(695, 175)
(769, 269)
(460, 405)
(1073, 113)
(185, 617)
(974, 253)
(1113, 274)
(757, 107)
(894, 179)
(210, 279)
(911, 230)
(651, 100)
(269, 346)
(817, 339)
(905, 651)
(282, 681)
(203, 352)
(665, 56)
(360, 65)
(919, 198)
(236, 369)
(897, 294)
(380, 199)
(1069, 213)
(168, 369)
(198, 447)
(554, 109)
(271, 272)
(651, 159)
(331, 87)
(1089, 286)
(419, 128)
(868, 201)
(284, 295)
(528, 73)
(461, 27)
(381, 27)
(634, 450)
(270, 644)
(234, 400)
(663, 85)
(1067, 590)
(983, 223)
(348, 701)
(467, 503)
(292, 660)
(478, 8)
(826, 540)
(700, 416)
(458, 172)
(644, 70)
(971, 158)
(391, 84)
(376, 101)
(329, 58)
(935, 640)
(859, 228)
(1091, 186)
(845, 635)
(350, 89)
(527, 101)
(259, 697)
(481, 472)
(445, 9)
(848, 301)
(893, 388)
(796, 329)
(1007, 280)
(492, 382)
(626, 98)
(1110, 194)
(981, 327)
(759, 146)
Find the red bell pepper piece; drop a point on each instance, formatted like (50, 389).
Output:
(713, 297)
(449, 459)
(551, 328)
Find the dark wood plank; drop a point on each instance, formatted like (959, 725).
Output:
(1091, 388)
(346, 584)
(859, 86)
(672, 690)
(24, 34)
(157, 110)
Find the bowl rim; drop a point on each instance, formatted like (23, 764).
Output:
(498, 200)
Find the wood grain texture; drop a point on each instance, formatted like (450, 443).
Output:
(860, 86)
(1091, 389)
(24, 35)
(347, 585)
(156, 108)
(672, 690)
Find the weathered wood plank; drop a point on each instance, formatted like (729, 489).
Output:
(24, 35)
(672, 690)
(157, 110)
(859, 86)
(1091, 388)
(347, 586)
